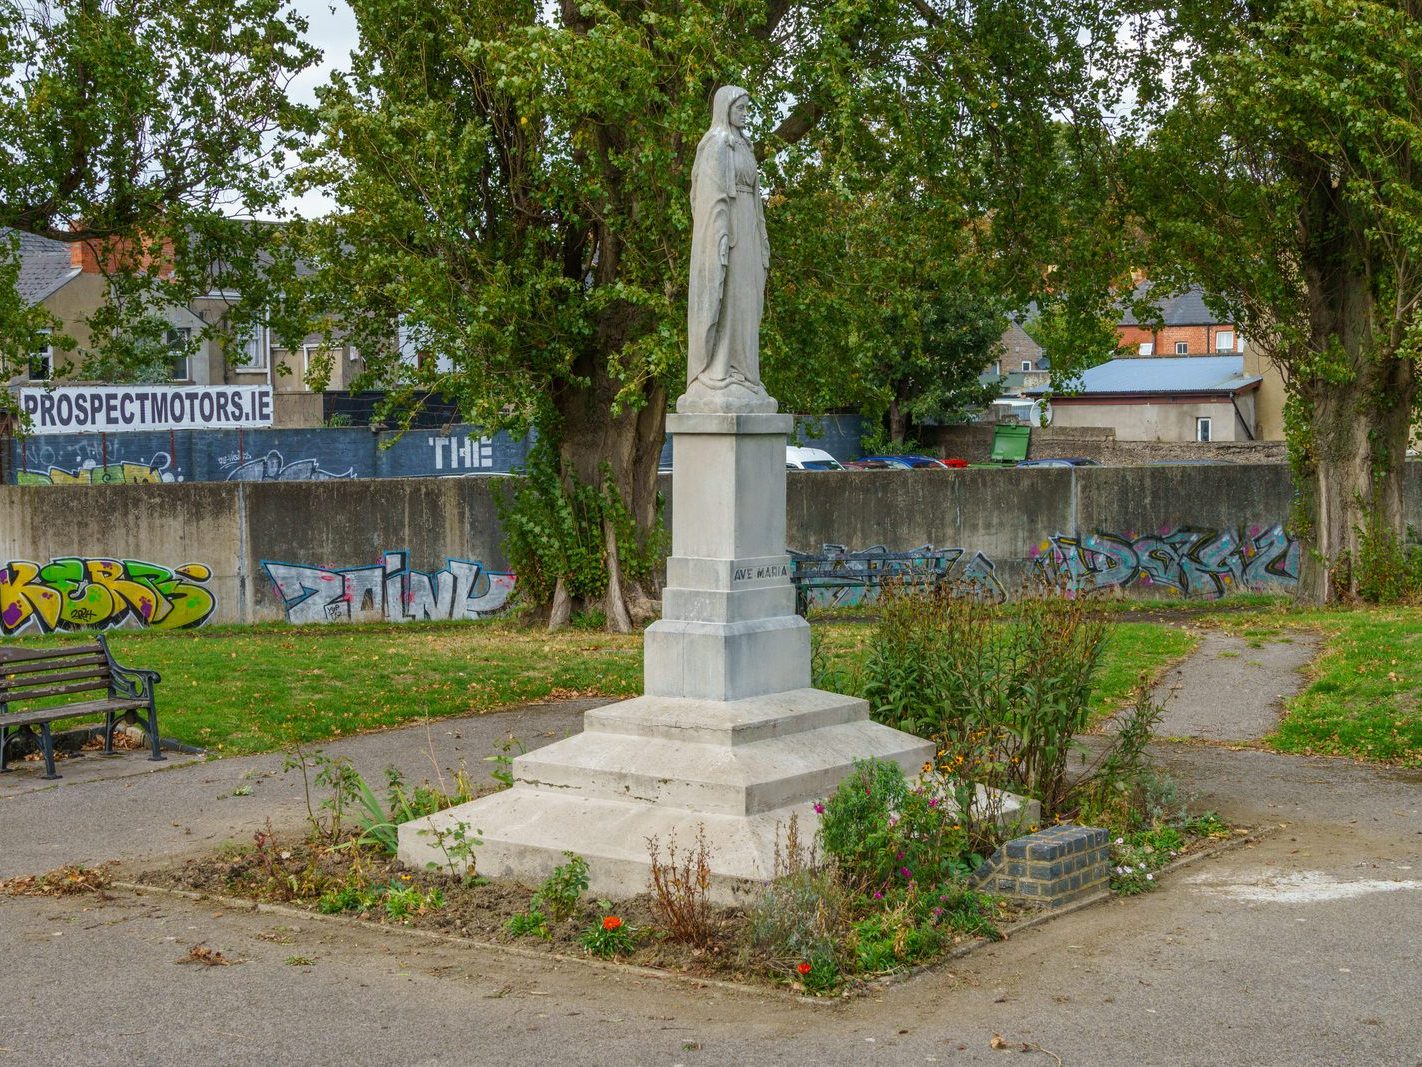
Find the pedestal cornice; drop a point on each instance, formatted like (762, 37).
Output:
(723, 422)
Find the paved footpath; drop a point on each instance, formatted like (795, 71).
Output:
(1305, 948)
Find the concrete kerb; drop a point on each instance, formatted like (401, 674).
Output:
(866, 987)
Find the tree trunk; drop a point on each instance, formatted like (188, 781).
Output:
(1356, 480)
(622, 451)
(898, 422)
(1351, 470)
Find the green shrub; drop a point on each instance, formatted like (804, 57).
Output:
(1001, 689)
(529, 924)
(561, 891)
(885, 834)
(1386, 570)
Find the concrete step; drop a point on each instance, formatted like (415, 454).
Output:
(726, 722)
(717, 778)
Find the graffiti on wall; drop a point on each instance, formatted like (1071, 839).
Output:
(840, 577)
(462, 453)
(273, 467)
(75, 593)
(390, 590)
(1194, 561)
(91, 463)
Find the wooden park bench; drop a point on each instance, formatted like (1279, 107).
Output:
(41, 685)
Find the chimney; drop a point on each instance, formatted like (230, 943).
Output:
(82, 254)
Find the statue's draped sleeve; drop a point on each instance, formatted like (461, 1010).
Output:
(713, 186)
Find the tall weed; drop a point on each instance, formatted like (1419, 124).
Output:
(1001, 689)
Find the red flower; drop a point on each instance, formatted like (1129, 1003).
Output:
(803, 968)
(611, 922)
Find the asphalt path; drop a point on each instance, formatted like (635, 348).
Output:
(1304, 948)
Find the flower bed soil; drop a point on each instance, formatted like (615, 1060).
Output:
(301, 872)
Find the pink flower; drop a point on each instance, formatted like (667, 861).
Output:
(933, 803)
(819, 808)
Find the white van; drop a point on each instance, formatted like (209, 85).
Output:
(810, 459)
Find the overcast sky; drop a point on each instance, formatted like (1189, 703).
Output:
(333, 30)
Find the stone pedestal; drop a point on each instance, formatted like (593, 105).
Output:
(729, 739)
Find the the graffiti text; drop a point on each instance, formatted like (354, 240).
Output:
(389, 590)
(72, 593)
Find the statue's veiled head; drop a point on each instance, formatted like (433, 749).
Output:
(729, 107)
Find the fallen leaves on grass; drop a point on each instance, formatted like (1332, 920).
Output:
(60, 882)
(208, 957)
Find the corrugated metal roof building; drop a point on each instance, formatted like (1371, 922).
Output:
(1193, 398)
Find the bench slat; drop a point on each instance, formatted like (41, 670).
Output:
(17, 655)
(16, 669)
(67, 711)
(59, 690)
(26, 686)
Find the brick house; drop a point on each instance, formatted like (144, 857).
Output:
(1187, 327)
(67, 279)
(1022, 363)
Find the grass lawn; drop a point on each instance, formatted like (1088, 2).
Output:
(240, 689)
(235, 690)
(1365, 695)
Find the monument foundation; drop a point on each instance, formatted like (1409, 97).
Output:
(729, 740)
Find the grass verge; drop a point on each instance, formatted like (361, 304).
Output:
(1364, 698)
(237, 690)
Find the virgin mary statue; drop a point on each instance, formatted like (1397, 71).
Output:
(730, 256)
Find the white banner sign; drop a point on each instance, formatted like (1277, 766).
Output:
(115, 408)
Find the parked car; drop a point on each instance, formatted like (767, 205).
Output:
(1064, 461)
(810, 459)
(871, 465)
(909, 462)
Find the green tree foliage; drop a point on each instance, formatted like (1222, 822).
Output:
(513, 177)
(1279, 163)
(154, 132)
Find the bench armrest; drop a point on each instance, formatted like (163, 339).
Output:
(134, 682)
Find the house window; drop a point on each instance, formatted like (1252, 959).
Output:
(1202, 429)
(1147, 348)
(1224, 341)
(42, 363)
(178, 339)
(1182, 348)
(997, 367)
(252, 348)
(1026, 364)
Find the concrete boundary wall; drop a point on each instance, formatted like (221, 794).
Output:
(188, 554)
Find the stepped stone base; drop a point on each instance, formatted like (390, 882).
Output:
(669, 767)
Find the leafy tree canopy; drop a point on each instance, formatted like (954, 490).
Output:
(512, 182)
(155, 132)
(1275, 159)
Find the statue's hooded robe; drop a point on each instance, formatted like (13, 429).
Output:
(730, 255)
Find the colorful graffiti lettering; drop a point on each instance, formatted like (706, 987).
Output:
(1194, 561)
(273, 468)
(71, 593)
(90, 473)
(839, 577)
(389, 590)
